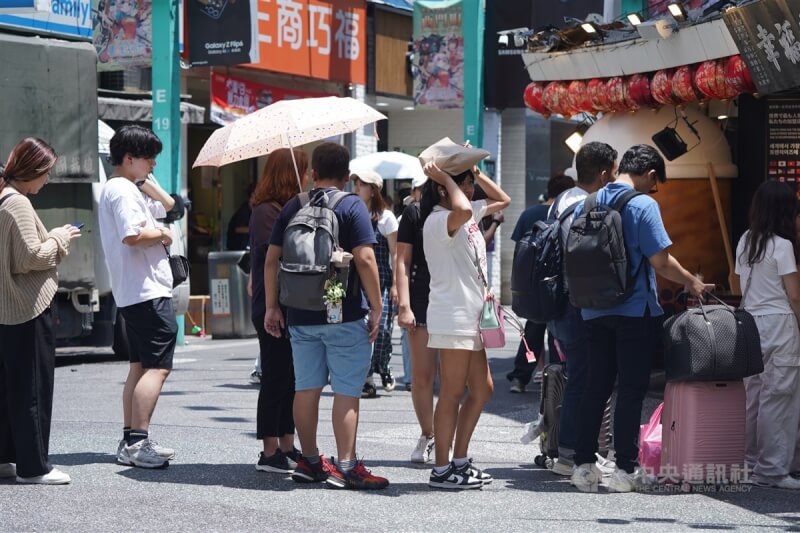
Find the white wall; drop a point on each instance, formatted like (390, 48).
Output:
(512, 172)
(413, 131)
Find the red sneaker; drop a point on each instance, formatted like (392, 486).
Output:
(305, 472)
(359, 478)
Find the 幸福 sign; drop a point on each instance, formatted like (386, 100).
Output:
(767, 33)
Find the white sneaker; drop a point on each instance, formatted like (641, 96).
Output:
(143, 455)
(622, 481)
(53, 477)
(122, 456)
(8, 470)
(162, 451)
(787, 482)
(586, 477)
(562, 467)
(606, 466)
(124, 459)
(423, 450)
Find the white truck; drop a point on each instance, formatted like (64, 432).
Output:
(48, 89)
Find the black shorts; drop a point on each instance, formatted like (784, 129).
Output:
(419, 306)
(152, 332)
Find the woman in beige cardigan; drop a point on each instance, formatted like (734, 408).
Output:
(28, 283)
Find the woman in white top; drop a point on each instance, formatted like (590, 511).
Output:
(767, 266)
(456, 255)
(368, 186)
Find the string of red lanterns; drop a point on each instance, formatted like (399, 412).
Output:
(719, 79)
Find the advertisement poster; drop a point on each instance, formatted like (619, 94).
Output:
(123, 33)
(438, 68)
(766, 34)
(232, 98)
(222, 32)
(67, 18)
(314, 38)
(783, 141)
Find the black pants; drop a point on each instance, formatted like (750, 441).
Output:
(27, 369)
(624, 348)
(534, 334)
(276, 397)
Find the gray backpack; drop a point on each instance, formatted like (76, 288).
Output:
(308, 243)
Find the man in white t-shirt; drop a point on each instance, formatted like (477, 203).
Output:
(135, 244)
(596, 165)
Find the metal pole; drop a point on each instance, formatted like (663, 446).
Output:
(474, 16)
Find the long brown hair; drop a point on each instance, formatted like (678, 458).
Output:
(376, 204)
(278, 181)
(30, 159)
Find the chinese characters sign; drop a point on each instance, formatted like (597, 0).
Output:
(766, 34)
(439, 54)
(123, 33)
(222, 32)
(783, 140)
(325, 40)
(233, 97)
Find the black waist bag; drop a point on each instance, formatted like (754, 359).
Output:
(712, 343)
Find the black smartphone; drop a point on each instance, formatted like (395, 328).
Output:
(78, 225)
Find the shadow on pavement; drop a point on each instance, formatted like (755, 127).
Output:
(80, 459)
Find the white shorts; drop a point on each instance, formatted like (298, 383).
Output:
(440, 341)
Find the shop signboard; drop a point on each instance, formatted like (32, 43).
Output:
(438, 69)
(123, 33)
(222, 32)
(783, 140)
(319, 39)
(232, 97)
(766, 34)
(60, 18)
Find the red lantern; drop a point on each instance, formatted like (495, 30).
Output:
(596, 89)
(618, 95)
(705, 79)
(533, 98)
(661, 87)
(739, 76)
(579, 97)
(639, 91)
(556, 98)
(683, 85)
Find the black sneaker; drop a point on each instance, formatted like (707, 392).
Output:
(455, 478)
(294, 455)
(305, 472)
(277, 463)
(477, 473)
(369, 390)
(388, 381)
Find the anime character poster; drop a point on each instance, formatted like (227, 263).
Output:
(438, 67)
(123, 33)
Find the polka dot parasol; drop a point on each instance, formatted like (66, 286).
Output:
(284, 124)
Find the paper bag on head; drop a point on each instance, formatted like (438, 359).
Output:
(452, 158)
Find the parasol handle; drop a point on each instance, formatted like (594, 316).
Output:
(733, 279)
(294, 162)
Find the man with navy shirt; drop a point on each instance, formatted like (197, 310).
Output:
(623, 339)
(322, 350)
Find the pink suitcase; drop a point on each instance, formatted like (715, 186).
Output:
(703, 432)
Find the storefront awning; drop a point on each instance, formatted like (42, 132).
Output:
(694, 44)
(142, 110)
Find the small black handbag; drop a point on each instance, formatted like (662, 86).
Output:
(712, 343)
(179, 266)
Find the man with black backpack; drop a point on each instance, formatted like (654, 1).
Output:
(595, 164)
(329, 322)
(616, 245)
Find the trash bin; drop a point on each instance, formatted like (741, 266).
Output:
(230, 316)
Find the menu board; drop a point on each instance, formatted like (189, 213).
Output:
(783, 140)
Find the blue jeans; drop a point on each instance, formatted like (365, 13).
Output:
(573, 337)
(620, 348)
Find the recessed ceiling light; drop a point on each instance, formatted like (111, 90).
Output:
(382, 104)
(408, 108)
(722, 117)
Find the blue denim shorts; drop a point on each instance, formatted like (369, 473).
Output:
(342, 351)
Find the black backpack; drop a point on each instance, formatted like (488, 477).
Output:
(596, 262)
(309, 240)
(537, 276)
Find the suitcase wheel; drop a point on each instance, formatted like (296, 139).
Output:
(540, 461)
